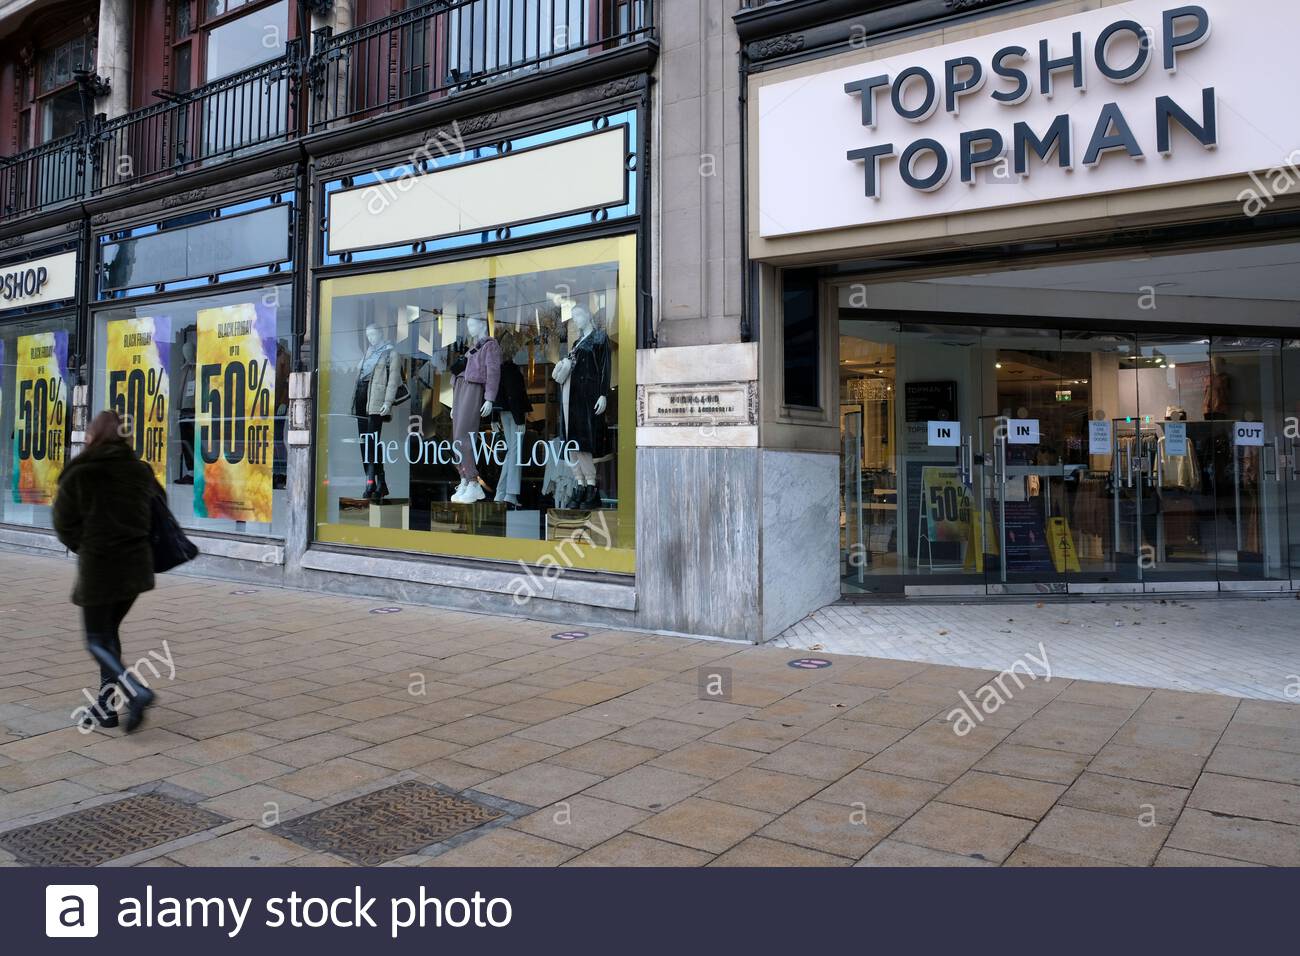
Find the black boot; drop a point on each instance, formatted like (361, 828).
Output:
(591, 498)
(103, 713)
(138, 698)
(381, 490)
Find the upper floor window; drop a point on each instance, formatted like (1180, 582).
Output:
(212, 39)
(56, 103)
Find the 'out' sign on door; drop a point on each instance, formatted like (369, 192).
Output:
(1248, 434)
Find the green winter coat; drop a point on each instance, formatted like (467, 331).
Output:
(102, 514)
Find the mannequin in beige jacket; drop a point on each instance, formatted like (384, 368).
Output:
(379, 373)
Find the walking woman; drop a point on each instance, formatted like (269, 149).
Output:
(102, 514)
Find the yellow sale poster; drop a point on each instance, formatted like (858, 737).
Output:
(136, 384)
(946, 504)
(235, 413)
(41, 412)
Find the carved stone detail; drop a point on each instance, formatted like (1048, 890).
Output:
(776, 46)
(180, 199)
(628, 84)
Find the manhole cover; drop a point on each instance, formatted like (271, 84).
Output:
(381, 826)
(99, 834)
(809, 663)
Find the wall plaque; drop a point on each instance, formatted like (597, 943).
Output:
(713, 403)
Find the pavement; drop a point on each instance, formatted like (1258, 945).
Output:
(621, 748)
(1231, 644)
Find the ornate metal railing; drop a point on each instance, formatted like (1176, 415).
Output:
(235, 114)
(39, 178)
(446, 46)
(436, 49)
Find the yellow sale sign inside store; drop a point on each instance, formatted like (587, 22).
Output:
(137, 386)
(235, 414)
(40, 432)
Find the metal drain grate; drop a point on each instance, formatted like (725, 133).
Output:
(105, 832)
(388, 823)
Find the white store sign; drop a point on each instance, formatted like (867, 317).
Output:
(1248, 434)
(1023, 431)
(38, 281)
(1099, 438)
(945, 434)
(1128, 96)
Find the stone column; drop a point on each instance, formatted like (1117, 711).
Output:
(298, 438)
(114, 57)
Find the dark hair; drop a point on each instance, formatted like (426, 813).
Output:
(106, 426)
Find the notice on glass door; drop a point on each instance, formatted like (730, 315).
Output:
(1175, 438)
(1248, 434)
(1099, 438)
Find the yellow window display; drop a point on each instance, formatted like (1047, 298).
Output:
(483, 408)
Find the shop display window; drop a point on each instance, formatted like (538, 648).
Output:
(203, 384)
(483, 408)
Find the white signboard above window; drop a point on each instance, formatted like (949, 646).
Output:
(1131, 95)
(38, 281)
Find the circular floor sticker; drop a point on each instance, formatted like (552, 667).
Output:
(245, 591)
(569, 636)
(809, 663)
(386, 610)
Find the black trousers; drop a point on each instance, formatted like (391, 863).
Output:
(105, 644)
(371, 459)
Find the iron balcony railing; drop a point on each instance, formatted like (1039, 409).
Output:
(446, 46)
(229, 116)
(436, 49)
(42, 177)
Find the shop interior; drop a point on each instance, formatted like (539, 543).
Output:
(1113, 427)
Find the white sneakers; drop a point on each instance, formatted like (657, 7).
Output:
(468, 493)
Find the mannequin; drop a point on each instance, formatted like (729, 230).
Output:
(473, 393)
(512, 408)
(378, 374)
(584, 392)
(1218, 391)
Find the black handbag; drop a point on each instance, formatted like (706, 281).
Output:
(170, 546)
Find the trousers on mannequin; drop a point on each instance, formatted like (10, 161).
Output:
(369, 425)
(584, 466)
(511, 480)
(466, 397)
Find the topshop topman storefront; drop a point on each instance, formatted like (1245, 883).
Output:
(1032, 277)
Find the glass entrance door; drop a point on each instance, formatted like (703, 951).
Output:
(1246, 388)
(1165, 451)
(1024, 442)
(1290, 444)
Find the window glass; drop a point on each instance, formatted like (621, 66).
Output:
(60, 63)
(205, 385)
(451, 422)
(248, 40)
(35, 390)
(60, 114)
(801, 338)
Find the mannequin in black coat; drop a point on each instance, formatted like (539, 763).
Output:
(585, 396)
